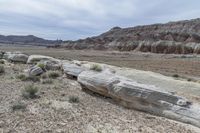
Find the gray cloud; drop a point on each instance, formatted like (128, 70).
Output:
(73, 19)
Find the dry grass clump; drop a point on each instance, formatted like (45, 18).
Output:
(175, 76)
(96, 67)
(47, 81)
(44, 76)
(41, 65)
(18, 106)
(74, 99)
(2, 62)
(2, 70)
(30, 91)
(24, 77)
(53, 74)
(33, 78)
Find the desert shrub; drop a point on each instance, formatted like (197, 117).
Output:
(18, 106)
(30, 91)
(175, 75)
(96, 67)
(44, 76)
(2, 70)
(74, 99)
(24, 77)
(183, 56)
(56, 87)
(33, 78)
(47, 81)
(41, 65)
(2, 62)
(53, 74)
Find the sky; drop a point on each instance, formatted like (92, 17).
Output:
(75, 19)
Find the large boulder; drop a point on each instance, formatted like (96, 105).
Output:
(15, 57)
(142, 97)
(37, 58)
(35, 71)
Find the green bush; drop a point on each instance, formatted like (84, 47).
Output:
(96, 67)
(2, 70)
(74, 99)
(53, 74)
(30, 91)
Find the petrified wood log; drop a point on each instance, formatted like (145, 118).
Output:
(72, 69)
(142, 97)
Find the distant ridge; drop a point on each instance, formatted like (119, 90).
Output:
(27, 40)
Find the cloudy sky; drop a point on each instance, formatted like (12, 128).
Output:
(74, 19)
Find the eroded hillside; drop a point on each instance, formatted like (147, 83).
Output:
(182, 37)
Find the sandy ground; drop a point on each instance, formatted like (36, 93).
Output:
(186, 66)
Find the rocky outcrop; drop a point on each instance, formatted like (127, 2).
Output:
(182, 37)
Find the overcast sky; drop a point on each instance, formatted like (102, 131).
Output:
(74, 19)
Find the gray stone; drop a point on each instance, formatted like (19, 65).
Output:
(35, 71)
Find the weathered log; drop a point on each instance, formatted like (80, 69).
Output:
(37, 58)
(72, 69)
(35, 71)
(142, 97)
(15, 57)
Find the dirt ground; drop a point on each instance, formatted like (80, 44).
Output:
(52, 112)
(186, 66)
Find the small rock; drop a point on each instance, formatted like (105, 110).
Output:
(35, 71)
